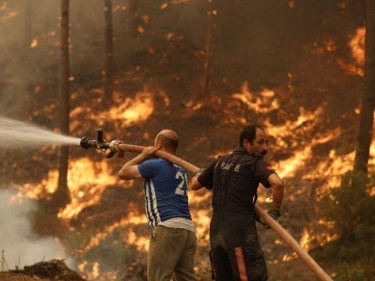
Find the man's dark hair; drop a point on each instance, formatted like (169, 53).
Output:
(248, 133)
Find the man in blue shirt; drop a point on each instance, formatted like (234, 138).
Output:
(173, 241)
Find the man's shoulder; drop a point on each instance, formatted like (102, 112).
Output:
(152, 163)
(161, 162)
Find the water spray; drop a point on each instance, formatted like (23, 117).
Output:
(16, 134)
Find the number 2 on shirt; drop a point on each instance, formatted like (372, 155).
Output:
(180, 190)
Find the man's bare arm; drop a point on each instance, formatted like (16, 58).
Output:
(130, 169)
(277, 185)
(194, 184)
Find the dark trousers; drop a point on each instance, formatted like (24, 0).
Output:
(235, 248)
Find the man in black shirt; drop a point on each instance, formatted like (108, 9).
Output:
(234, 179)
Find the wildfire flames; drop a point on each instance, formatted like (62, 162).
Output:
(87, 180)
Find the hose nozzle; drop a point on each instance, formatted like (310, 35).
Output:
(99, 143)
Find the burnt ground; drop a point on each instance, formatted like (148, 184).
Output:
(46, 270)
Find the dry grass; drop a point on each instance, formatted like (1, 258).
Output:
(12, 276)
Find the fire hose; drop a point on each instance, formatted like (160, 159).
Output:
(103, 145)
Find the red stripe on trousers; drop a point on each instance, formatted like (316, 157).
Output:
(241, 264)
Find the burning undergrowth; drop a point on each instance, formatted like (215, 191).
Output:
(44, 270)
(54, 269)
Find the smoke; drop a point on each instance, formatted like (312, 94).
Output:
(20, 246)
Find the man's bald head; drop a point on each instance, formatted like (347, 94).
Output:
(168, 140)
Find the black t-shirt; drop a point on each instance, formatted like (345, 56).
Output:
(237, 193)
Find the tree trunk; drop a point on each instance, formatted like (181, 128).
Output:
(61, 196)
(208, 52)
(28, 25)
(132, 18)
(368, 100)
(108, 53)
(26, 55)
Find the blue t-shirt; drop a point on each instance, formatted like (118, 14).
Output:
(165, 191)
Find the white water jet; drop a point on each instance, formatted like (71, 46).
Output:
(16, 135)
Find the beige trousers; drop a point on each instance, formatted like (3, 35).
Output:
(171, 252)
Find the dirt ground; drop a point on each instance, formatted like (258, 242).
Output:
(44, 271)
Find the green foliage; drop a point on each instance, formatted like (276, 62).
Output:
(351, 206)
(75, 241)
(350, 210)
(350, 272)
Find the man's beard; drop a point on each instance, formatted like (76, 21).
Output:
(260, 154)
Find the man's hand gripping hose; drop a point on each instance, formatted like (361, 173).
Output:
(115, 146)
(273, 212)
